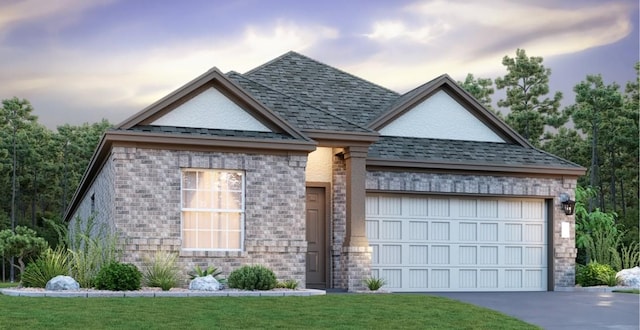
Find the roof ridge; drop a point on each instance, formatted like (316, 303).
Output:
(291, 52)
(266, 64)
(303, 102)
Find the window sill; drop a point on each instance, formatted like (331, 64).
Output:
(213, 254)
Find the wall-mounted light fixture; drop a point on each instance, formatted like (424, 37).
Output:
(568, 206)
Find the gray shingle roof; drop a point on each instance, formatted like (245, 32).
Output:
(298, 113)
(324, 87)
(454, 151)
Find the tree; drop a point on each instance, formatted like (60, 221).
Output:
(568, 144)
(526, 82)
(22, 243)
(597, 105)
(481, 89)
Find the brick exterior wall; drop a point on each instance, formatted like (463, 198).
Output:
(137, 196)
(103, 191)
(145, 207)
(562, 249)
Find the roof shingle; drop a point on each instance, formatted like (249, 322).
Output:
(455, 151)
(325, 87)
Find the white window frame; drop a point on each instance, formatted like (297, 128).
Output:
(241, 211)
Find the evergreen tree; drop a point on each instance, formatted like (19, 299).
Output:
(481, 89)
(526, 83)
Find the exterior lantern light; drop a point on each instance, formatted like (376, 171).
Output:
(567, 205)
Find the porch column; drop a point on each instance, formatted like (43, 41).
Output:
(356, 253)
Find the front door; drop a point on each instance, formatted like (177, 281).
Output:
(316, 238)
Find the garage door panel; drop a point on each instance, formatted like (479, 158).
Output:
(440, 278)
(390, 254)
(467, 208)
(468, 231)
(418, 279)
(468, 255)
(393, 277)
(389, 206)
(509, 209)
(488, 279)
(417, 252)
(391, 230)
(438, 207)
(488, 209)
(440, 231)
(372, 228)
(534, 233)
(415, 207)
(418, 230)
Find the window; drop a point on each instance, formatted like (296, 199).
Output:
(212, 209)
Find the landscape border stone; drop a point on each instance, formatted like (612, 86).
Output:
(150, 294)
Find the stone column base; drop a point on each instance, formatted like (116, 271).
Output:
(356, 266)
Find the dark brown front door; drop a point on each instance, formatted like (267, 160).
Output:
(316, 238)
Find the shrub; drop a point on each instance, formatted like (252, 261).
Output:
(161, 270)
(630, 255)
(594, 274)
(91, 246)
(255, 277)
(48, 265)
(288, 284)
(118, 276)
(199, 272)
(374, 283)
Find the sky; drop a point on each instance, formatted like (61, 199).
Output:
(80, 61)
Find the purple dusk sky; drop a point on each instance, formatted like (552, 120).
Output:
(80, 61)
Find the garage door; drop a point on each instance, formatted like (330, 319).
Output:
(457, 244)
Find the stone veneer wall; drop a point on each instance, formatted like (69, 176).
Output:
(564, 251)
(148, 217)
(339, 220)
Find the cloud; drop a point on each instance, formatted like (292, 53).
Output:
(17, 12)
(118, 84)
(389, 30)
(111, 72)
(429, 38)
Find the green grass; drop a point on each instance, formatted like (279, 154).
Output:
(8, 284)
(338, 311)
(636, 291)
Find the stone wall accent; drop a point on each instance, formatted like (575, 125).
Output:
(339, 220)
(563, 249)
(147, 211)
(355, 267)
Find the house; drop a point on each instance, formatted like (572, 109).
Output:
(329, 179)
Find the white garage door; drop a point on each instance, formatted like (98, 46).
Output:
(457, 244)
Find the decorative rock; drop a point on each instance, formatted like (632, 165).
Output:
(205, 283)
(62, 282)
(629, 277)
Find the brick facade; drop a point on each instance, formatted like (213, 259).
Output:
(563, 249)
(141, 189)
(137, 195)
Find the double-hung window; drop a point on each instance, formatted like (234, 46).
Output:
(212, 209)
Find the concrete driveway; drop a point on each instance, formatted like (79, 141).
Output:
(561, 310)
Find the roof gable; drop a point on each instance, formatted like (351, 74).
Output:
(440, 117)
(210, 109)
(211, 101)
(443, 110)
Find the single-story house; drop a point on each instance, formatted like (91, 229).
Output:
(329, 179)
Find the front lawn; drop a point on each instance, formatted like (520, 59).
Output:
(372, 311)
